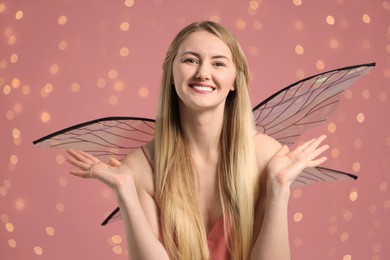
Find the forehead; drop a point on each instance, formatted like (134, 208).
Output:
(204, 42)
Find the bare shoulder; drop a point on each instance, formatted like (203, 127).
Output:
(140, 161)
(266, 147)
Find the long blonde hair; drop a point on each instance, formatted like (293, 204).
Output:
(181, 225)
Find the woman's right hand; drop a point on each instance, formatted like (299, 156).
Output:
(113, 173)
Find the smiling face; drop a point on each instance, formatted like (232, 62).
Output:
(203, 71)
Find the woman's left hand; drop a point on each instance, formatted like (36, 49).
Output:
(285, 166)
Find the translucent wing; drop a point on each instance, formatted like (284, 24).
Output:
(288, 113)
(103, 138)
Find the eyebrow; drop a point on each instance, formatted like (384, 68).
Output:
(213, 57)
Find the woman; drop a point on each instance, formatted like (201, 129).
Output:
(208, 186)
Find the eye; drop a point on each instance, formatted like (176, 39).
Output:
(219, 64)
(191, 60)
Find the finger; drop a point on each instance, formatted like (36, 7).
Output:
(316, 142)
(82, 174)
(82, 156)
(315, 163)
(114, 163)
(79, 164)
(310, 155)
(283, 150)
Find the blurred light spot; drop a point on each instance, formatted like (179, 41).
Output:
(335, 153)
(254, 4)
(9, 227)
(366, 18)
(241, 24)
(116, 239)
(297, 2)
(38, 250)
(20, 204)
(300, 74)
(298, 217)
(26, 90)
(7, 184)
(3, 64)
(333, 229)
(18, 108)
(17, 141)
(3, 191)
(333, 44)
(112, 74)
(118, 85)
(106, 193)
(372, 209)
(348, 94)
(124, 52)
(2, 7)
(10, 115)
(353, 195)
(298, 25)
(62, 45)
(117, 249)
(63, 182)
(357, 143)
(101, 83)
(320, 65)
(366, 44)
(298, 242)
(50, 231)
(386, 72)
(257, 25)
(75, 87)
(13, 159)
(14, 58)
(344, 236)
(356, 166)
(60, 159)
(347, 215)
(125, 26)
(143, 92)
(383, 186)
(330, 20)
(15, 83)
(12, 40)
(54, 69)
(332, 128)
(129, 3)
(4, 218)
(62, 20)
(386, 5)
(113, 100)
(386, 204)
(299, 49)
(377, 248)
(253, 50)
(360, 117)
(19, 15)
(366, 94)
(12, 243)
(7, 90)
(45, 117)
(297, 193)
(60, 207)
(383, 97)
(347, 257)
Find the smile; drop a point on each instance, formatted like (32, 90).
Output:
(202, 88)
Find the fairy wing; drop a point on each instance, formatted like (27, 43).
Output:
(288, 113)
(104, 137)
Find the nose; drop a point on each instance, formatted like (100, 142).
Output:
(203, 72)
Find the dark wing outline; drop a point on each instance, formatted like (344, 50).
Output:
(103, 137)
(306, 109)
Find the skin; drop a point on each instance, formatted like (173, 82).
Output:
(206, 61)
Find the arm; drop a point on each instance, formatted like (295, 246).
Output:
(282, 169)
(142, 238)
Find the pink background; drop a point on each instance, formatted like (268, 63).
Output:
(65, 62)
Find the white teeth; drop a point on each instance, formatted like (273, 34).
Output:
(202, 88)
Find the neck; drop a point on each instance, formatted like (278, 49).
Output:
(202, 130)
